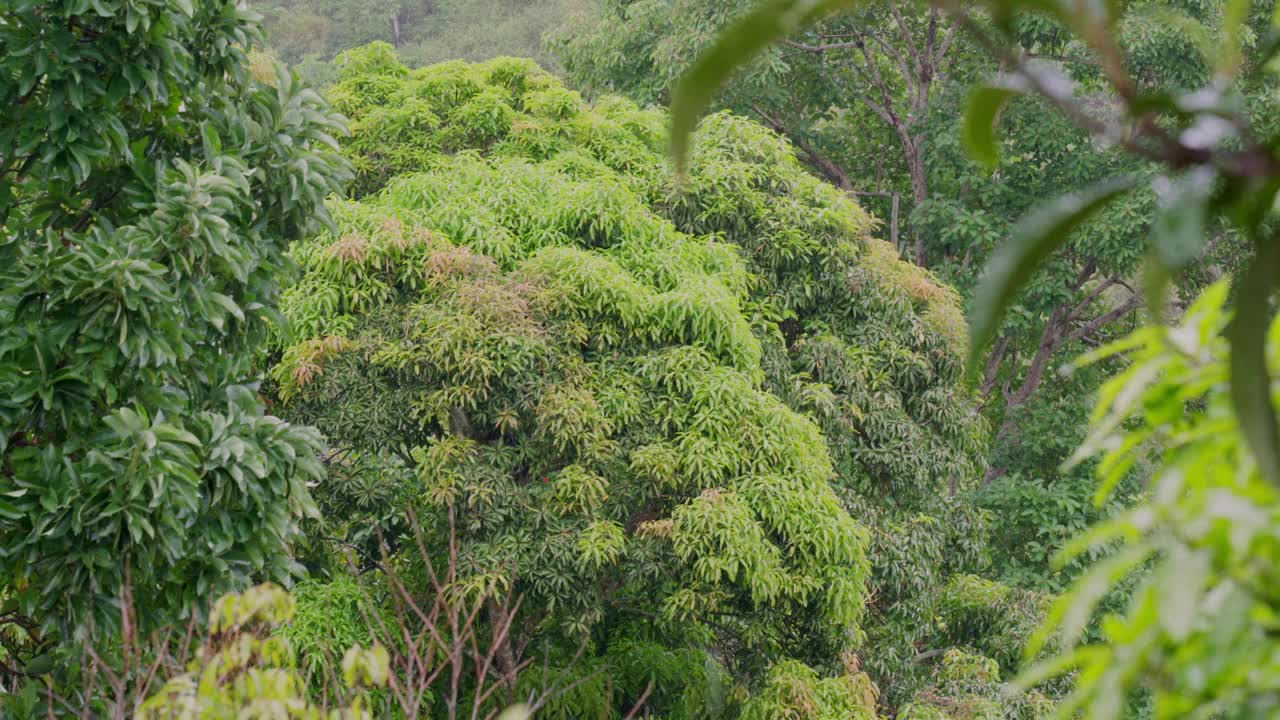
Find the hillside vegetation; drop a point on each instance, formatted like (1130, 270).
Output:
(916, 363)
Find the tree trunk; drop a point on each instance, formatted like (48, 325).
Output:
(1063, 326)
(919, 187)
(507, 664)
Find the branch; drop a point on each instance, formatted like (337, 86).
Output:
(906, 33)
(823, 164)
(1105, 319)
(878, 81)
(921, 657)
(1253, 161)
(884, 113)
(991, 372)
(947, 39)
(897, 56)
(1093, 295)
(822, 48)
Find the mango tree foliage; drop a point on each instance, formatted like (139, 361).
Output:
(148, 186)
(1197, 396)
(966, 686)
(687, 419)
(1199, 632)
(871, 98)
(854, 92)
(247, 668)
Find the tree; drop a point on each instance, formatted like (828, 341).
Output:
(148, 186)
(837, 86)
(1081, 297)
(245, 668)
(1197, 397)
(1074, 300)
(847, 93)
(655, 412)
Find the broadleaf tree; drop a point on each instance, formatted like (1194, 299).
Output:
(695, 426)
(1197, 397)
(871, 96)
(149, 185)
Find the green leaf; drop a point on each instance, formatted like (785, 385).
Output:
(979, 133)
(737, 44)
(227, 304)
(39, 665)
(1250, 381)
(210, 139)
(1034, 238)
(1235, 16)
(1071, 612)
(1056, 666)
(1267, 48)
(1156, 279)
(1182, 585)
(1178, 232)
(519, 711)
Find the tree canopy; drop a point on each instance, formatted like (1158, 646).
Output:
(468, 391)
(149, 185)
(658, 421)
(308, 34)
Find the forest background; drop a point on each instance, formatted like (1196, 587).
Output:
(866, 94)
(550, 298)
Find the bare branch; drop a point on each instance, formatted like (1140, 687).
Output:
(822, 48)
(907, 37)
(1105, 319)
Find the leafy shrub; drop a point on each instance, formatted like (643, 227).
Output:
(244, 669)
(793, 690)
(967, 687)
(326, 620)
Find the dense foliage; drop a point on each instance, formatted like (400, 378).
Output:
(246, 669)
(149, 184)
(704, 418)
(594, 410)
(1201, 620)
(871, 99)
(1198, 395)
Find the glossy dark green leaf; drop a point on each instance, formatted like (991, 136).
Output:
(980, 137)
(39, 665)
(737, 45)
(1036, 235)
(1156, 279)
(1250, 381)
(1154, 101)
